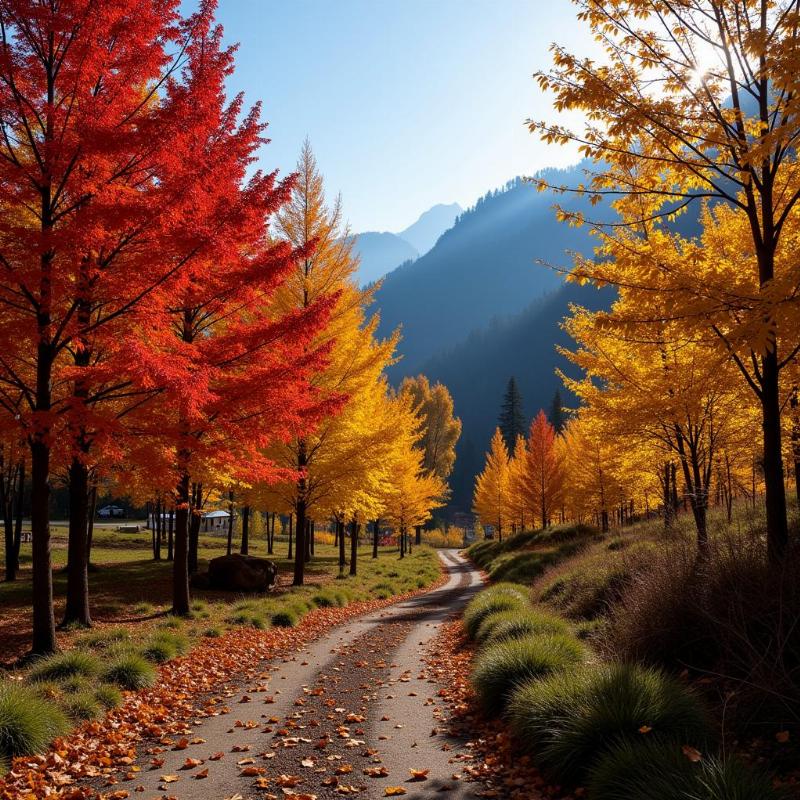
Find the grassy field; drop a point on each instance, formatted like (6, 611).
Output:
(129, 588)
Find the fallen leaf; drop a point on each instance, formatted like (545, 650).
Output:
(393, 791)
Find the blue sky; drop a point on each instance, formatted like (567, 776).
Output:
(407, 103)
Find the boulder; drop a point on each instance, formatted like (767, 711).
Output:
(238, 573)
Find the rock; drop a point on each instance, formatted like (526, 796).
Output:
(238, 573)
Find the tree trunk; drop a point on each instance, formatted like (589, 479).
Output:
(796, 444)
(402, 542)
(312, 534)
(20, 511)
(90, 522)
(44, 626)
(376, 531)
(309, 533)
(157, 530)
(76, 611)
(9, 496)
(353, 546)
(300, 526)
(245, 530)
(774, 489)
(289, 556)
(171, 535)
(230, 522)
(180, 566)
(270, 532)
(340, 526)
(418, 534)
(194, 526)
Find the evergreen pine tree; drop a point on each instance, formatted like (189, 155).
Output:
(557, 416)
(512, 418)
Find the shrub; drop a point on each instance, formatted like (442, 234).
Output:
(108, 696)
(28, 722)
(65, 665)
(503, 665)
(284, 619)
(569, 719)
(516, 623)
(730, 613)
(130, 671)
(653, 770)
(82, 706)
(491, 600)
(212, 633)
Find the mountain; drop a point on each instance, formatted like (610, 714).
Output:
(380, 253)
(485, 266)
(425, 232)
(477, 370)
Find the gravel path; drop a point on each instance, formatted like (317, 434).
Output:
(350, 714)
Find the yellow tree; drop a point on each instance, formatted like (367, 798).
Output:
(518, 508)
(652, 381)
(722, 124)
(356, 358)
(490, 500)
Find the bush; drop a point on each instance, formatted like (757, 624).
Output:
(515, 624)
(130, 671)
(108, 696)
(61, 666)
(490, 601)
(730, 613)
(502, 666)
(652, 770)
(284, 619)
(28, 722)
(212, 633)
(568, 720)
(324, 600)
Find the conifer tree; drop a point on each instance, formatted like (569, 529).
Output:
(557, 416)
(490, 500)
(512, 418)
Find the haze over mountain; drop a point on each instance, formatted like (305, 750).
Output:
(425, 232)
(381, 252)
(485, 266)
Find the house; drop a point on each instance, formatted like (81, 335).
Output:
(215, 521)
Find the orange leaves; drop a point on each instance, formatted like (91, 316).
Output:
(418, 774)
(393, 791)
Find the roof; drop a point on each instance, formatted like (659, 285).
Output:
(215, 514)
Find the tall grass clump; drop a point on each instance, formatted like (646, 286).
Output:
(61, 666)
(130, 671)
(569, 719)
(515, 624)
(504, 665)
(729, 613)
(28, 722)
(501, 597)
(653, 770)
(164, 645)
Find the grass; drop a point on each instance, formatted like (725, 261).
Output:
(568, 719)
(504, 665)
(660, 771)
(130, 671)
(28, 722)
(65, 665)
(516, 623)
(501, 597)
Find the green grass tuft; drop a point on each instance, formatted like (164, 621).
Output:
(28, 722)
(491, 601)
(653, 770)
(108, 696)
(515, 624)
(502, 666)
(81, 706)
(130, 671)
(284, 619)
(569, 719)
(65, 665)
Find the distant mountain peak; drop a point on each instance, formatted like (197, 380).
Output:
(425, 232)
